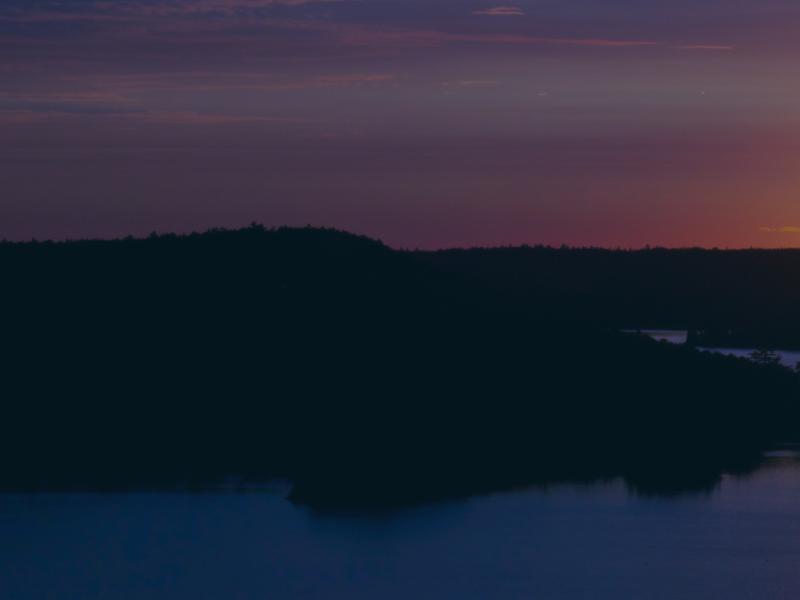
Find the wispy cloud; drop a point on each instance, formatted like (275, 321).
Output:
(165, 8)
(133, 9)
(26, 117)
(195, 118)
(717, 47)
(129, 97)
(470, 83)
(500, 11)
(180, 118)
(123, 88)
(254, 25)
(405, 37)
(67, 102)
(350, 79)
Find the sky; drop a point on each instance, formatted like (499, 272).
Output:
(425, 123)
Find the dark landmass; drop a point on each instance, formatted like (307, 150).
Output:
(369, 376)
(725, 298)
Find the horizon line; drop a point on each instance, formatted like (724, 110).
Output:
(261, 227)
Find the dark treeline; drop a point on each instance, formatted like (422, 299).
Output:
(367, 375)
(744, 298)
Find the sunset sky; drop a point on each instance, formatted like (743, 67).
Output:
(426, 123)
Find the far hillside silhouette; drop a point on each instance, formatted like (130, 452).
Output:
(736, 298)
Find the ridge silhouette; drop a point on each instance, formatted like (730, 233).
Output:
(369, 376)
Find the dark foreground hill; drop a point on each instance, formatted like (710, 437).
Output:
(362, 374)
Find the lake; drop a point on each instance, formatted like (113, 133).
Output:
(788, 358)
(591, 541)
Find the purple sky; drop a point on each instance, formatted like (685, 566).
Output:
(425, 123)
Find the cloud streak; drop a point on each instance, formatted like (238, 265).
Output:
(717, 47)
(500, 11)
(131, 9)
(253, 24)
(428, 38)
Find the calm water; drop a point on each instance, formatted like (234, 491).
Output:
(788, 358)
(595, 541)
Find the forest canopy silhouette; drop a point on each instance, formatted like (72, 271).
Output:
(367, 375)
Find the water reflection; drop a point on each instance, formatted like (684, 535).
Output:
(788, 358)
(740, 540)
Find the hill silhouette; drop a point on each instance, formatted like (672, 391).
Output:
(369, 376)
(734, 298)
